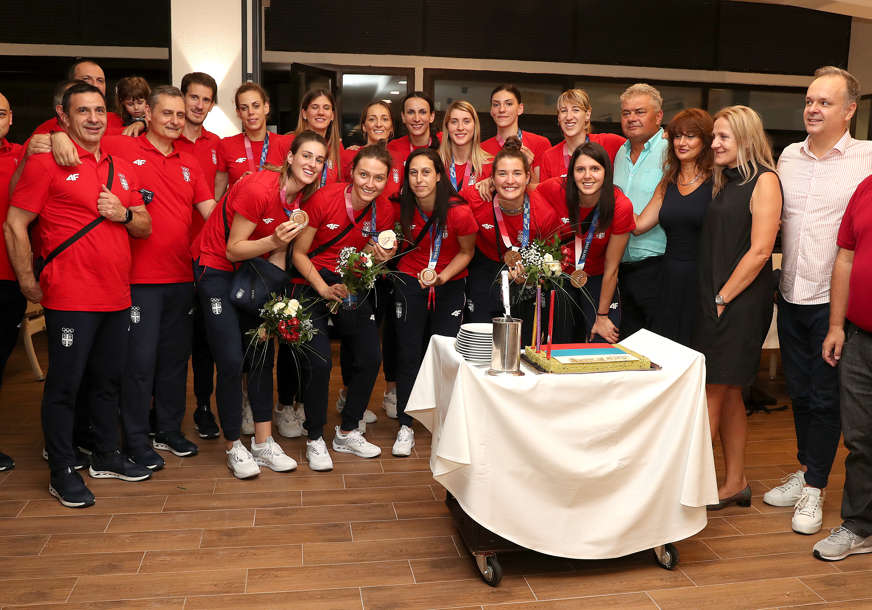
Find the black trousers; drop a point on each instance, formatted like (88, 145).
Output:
(12, 307)
(225, 331)
(202, 363)
(640, 285)
(80, 343)
(415, 323)
(575, 312)
(358, 332)
(483, 289)
(157, 359)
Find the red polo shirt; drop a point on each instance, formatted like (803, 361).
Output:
(233, 159)
(554, 162)
(401, 148)
(543, 223)
(334, 169)
(10, 155)
(113, 125)
(395, 176)
(460, 172)
(205, 151)
(552, 191)
(326, 209)
(255, 197)
(855, 234)
(538, 144)
(93, 274)
(458, 222)
(178, 184)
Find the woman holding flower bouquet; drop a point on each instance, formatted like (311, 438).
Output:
(512, 219)
(597, 221)
(253, 221)
(429, 288)
(338, 257)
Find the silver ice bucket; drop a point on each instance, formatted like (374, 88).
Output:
(506, 355)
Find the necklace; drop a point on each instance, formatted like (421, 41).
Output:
(510, 211)
(695, 178)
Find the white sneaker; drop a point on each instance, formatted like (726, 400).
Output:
(788, 493)
(404, 443)
(318, 456)
(353, 442)
(390, 404)
(240, 461)
(300, 414)
(270, 454)
(809, 513)
(247, 416)
(286, 421)
(840, 543)
(368, 416)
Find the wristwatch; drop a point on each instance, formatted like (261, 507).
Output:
(128, 217)
(719, 300)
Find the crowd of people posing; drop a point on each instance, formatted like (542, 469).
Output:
(673, 229)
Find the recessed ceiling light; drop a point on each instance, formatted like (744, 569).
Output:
(401, 82)
(395, 92)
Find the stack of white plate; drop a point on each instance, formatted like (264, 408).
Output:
(475, 342)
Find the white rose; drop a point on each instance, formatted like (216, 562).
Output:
(547, 258)
(278, 307)
(293, 307)
(369, 262)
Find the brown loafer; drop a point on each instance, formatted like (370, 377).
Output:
(743, 498)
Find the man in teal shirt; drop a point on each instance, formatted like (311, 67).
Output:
(638, 170)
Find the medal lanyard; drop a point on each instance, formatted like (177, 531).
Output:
(435, 247)
(501, 141)
(453, 174)
(582, 258)
(294, 206)
(250, 155)
(324, 173)
(567, 154)
(525, 232)
(350, 211)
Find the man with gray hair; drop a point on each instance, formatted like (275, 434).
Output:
(638, 170)
(818, 176)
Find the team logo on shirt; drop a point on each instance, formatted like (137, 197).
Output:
(123, 180)
(412, 227)
(266, 221)
(396, 174)
(186, 174)
(487, 227)
(333, 226)
(72, 177)
(564, 220)
(365, 228)
(600, 235)
(472, 180)
(215, 305)
(67, 336)
(456, 313)
(445, 234)
(241, 160)
(135, 314)
(214, 157)
(139, 162)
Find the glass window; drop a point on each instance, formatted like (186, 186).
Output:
(358, 90)
(605, 98)
(537, 98)
(780, 110)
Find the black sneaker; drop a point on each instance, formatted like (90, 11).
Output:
(149, 458)
(204, 422)
(175, 442)
(83, 460)
(68, 487)
(6, 462)
(116, 466)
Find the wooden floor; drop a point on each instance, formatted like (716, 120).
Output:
(371, 534)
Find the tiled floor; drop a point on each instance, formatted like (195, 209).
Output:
(372, 534)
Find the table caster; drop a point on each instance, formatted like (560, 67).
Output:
(490, 568)
(666, 556)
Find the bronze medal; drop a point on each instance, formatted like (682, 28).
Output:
(578, 278)
(387, 239)
(428, 276)
(300, 217)
(511, 258)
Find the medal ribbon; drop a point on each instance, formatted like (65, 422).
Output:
(501, 141)
(567, 154)
(294, 206)
(350, 211)
(324, 173)
(250, 155)
(453, 174)
(525, 232)
(435, 247)
(581, 259)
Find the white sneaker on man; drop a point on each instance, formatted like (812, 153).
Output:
(270, 454)
(353, 442)
(840, 543)
(318, 456)
(240, 462)
(368, 416)
(390, 403)
(247, 416)
(809, 514)
(286, 421)
(404, 443)
(788, 493)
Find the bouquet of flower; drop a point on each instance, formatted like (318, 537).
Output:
(541, 262)
(287, 320)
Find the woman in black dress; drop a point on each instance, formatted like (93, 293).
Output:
(736, 285)
(679, 205)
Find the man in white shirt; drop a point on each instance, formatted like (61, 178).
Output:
(818, 176)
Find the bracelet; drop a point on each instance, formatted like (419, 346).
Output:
(601, 314)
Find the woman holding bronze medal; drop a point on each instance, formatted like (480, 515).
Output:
(465, 161)
(597, 221)
(259, 217)
(511, 218)
(341, 216)
(429, 289)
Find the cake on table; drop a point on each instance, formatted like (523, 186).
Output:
(585, 358)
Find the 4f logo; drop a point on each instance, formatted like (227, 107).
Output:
(67, 336)
(135, 314)
(72, 177)
(241, 160)
(215, 305)
(487, 227)
(139, 162)
(333, 226)
(564, 220)
(266, 221)
(186, 174)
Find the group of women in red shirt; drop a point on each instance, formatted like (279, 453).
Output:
(458, 206)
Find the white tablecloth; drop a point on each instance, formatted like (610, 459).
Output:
(584, 466)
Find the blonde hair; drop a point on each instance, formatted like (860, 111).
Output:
(578, 97)
(643, 89)
(479, 157)
(334, 139)
(752, 145)
(852, 85)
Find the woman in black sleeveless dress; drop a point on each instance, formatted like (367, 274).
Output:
(679, 205)
(735, 282)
